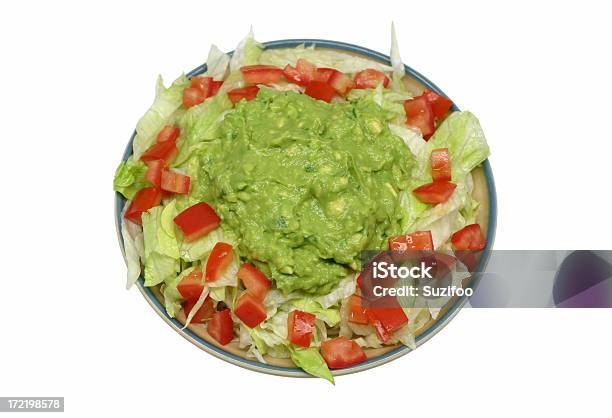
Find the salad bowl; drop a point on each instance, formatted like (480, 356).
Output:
(484, 193)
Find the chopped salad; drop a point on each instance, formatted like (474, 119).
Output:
(253, 189)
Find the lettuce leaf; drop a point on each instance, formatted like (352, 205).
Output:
(217, 63)
(330, 316)
(172, 297)
(311, 361)
(167, 101)
(247, 52)
(133, 246)
(160, 245)
(129, 178)
(399, 70)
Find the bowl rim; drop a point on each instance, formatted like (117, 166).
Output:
(401, 350)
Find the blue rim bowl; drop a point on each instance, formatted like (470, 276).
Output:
(371, 362)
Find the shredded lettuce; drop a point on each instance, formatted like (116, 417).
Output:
(160, 244)
(129, 177)
(172, 297)
(247, 52)
(133, 246)
(167, 101)
(399, 71)
(347, 63)
(330, 316)
(217, 63)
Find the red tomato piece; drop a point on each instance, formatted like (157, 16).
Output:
(436, 192)
(163, 151)
(324, 74)
(341, 82)
(261, 74)
(191, 286)
(469, 238)
(168, 133)
(370, 79)
(197, 221)
(440, 165)
(174, 182)
(219, 259)
(215, 85)
(144, 200)
(306, 69)
(392, 318)
(416, 241)
(249, 93)
(202, 83)
(203, 314)
(357, 313)
(221, 326)
(250, 310)
(420, 115)
(300, 326)
(193, 96)
(381, 332)
(439, 104)
(154, 172)
(341, 352)
(256, 283)
(320, 91)
(293, 76)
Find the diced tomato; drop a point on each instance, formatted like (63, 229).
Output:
(440, 165)
(341, 352)
(256, 283)
(381, 332)
(324, 74)
(293, 76)
(193, 96)
(202, 83)
(144, 200)
(306, 69)
(197, 221)
(154, 172)
(436, 192)
(420, 115)
(300, 326)
(357, 313)
(261, 74)
(163, 151)
(174, 182)
(386, 320)
(416, 241)
(370, 79)
(191, 286)
(439, 104)
(249, 93)
(168, 133)
(219, 260)
(221, 326)
(469, 238)
(320, 91)
(203, 314)
(250, 310)
(341, 82)
(215, 85)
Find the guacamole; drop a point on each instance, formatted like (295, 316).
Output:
(305, 185)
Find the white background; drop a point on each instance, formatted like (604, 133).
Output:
(75, 79)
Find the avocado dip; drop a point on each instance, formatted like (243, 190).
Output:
(303, 186)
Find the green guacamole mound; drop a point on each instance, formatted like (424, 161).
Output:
(305, 185)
